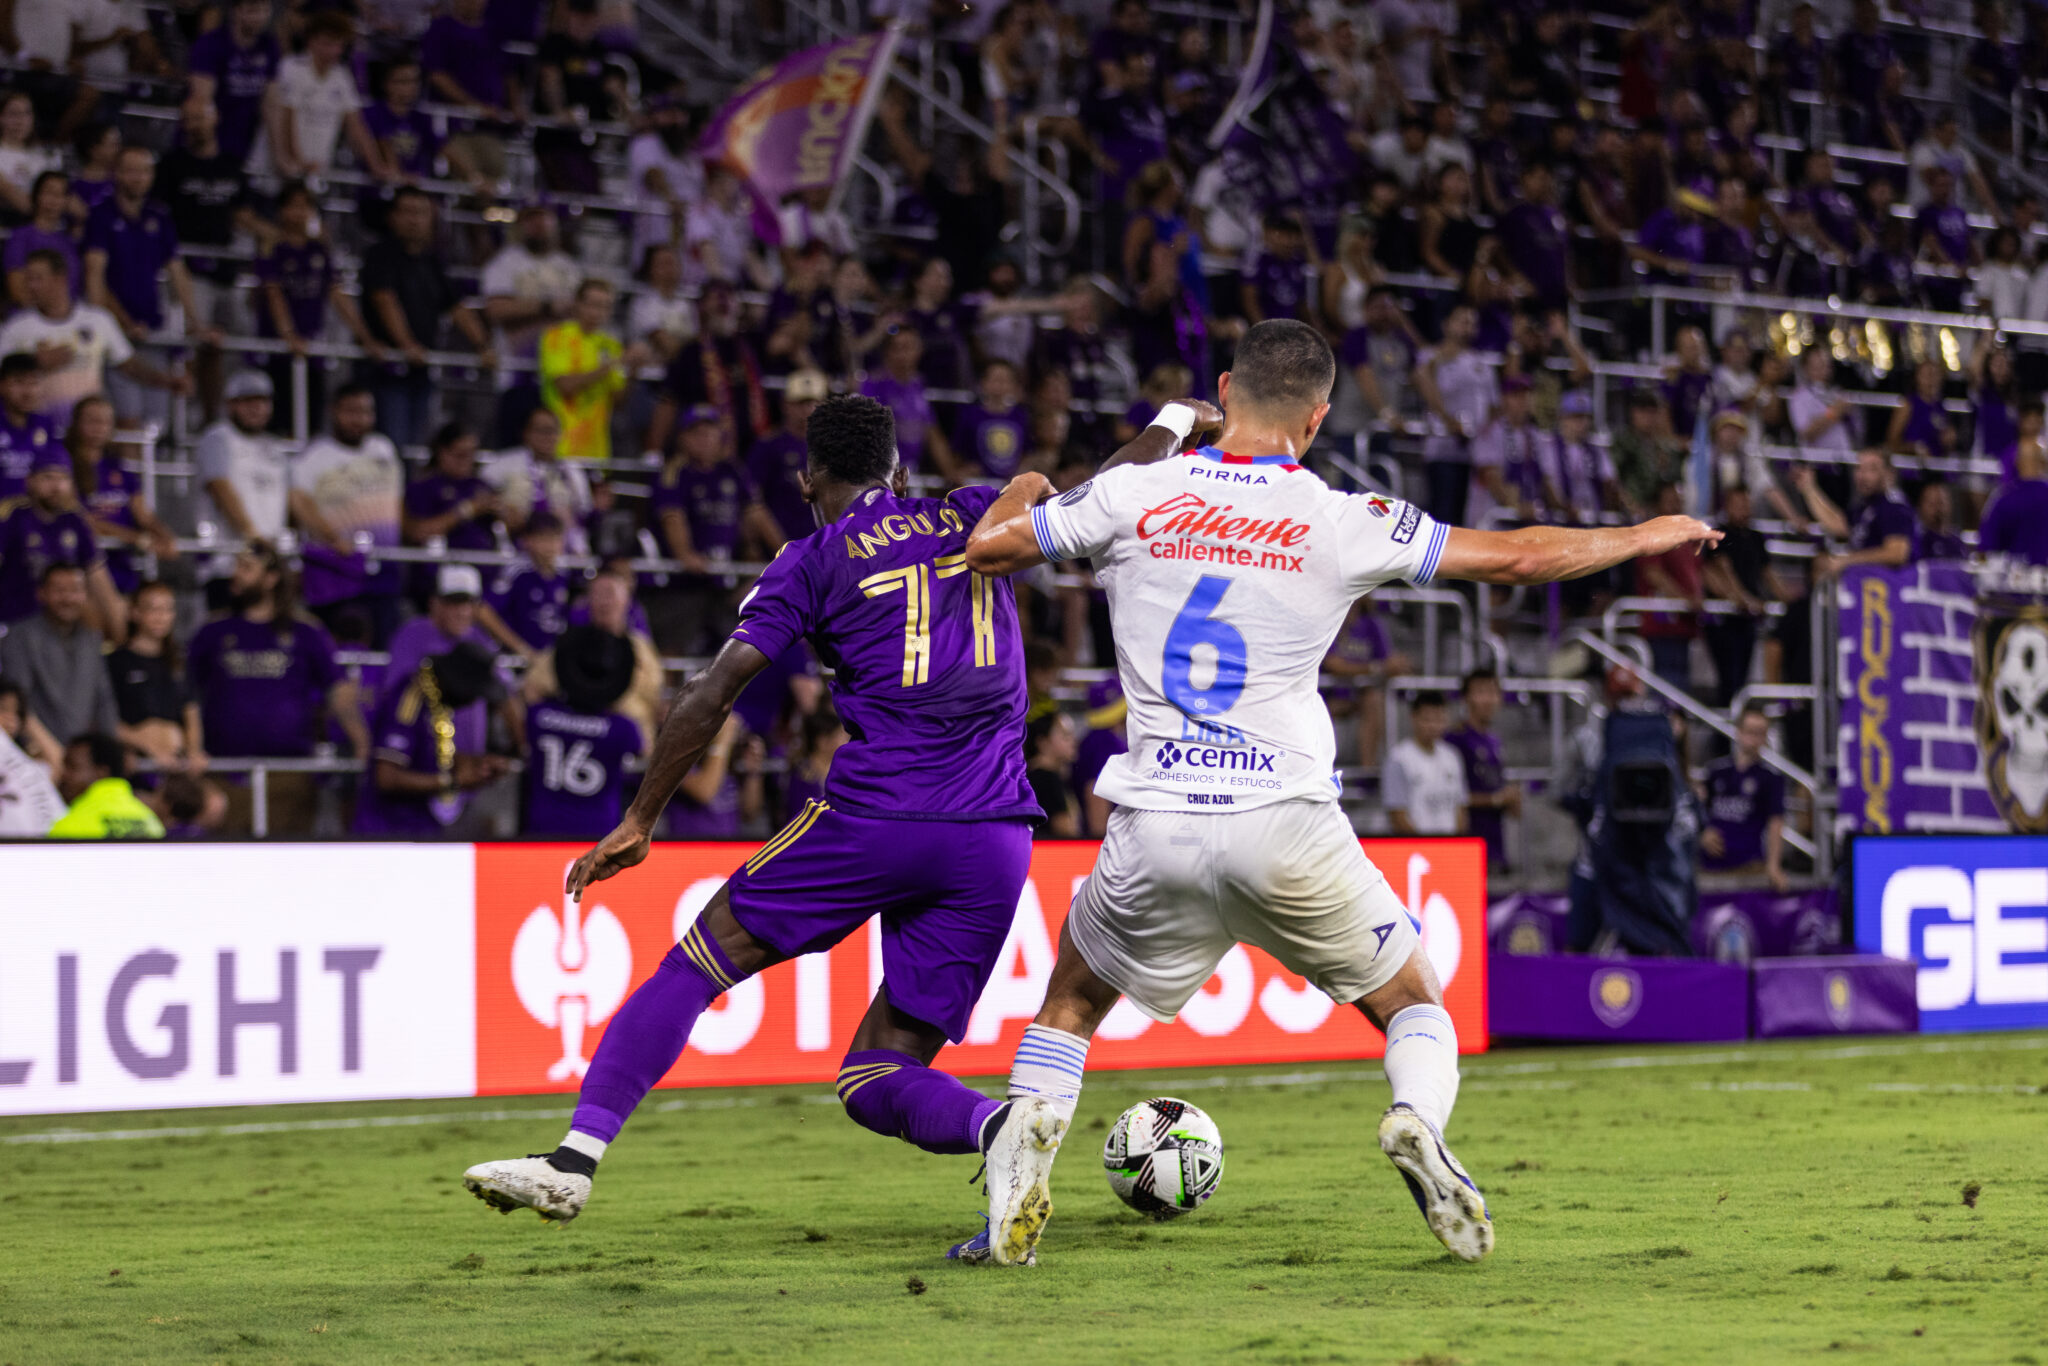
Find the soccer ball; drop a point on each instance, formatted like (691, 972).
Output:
(1163, 1157)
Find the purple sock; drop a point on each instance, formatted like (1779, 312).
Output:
(647, 1035)
(895, 1094)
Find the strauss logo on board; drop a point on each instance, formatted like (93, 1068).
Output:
(571, 971)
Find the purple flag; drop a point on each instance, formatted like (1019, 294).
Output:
(797, 125)
(1280, 141)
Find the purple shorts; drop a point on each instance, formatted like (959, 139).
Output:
(946, 891)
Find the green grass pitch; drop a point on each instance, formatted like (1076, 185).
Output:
(1876, 1200)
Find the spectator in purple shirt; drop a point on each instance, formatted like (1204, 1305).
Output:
(993, 434)
(297, 285)
(263, 675)
(1276, 285)
(578, 746)
(920, 444)
(1921, 425)
(465, 66)
(49, 200)
(1937, 511)
(1674, 239)
(777, 463)
(408, 138)
(2016, 523)
(706, 510)
(129, 240)
(231, 66)
(111, 494)
(1537, 238)
(420, 772)
(24, 431)
(451, 502)
(1491, 798)
(1945, 240)
(527, 605)
(47, 527)
(1745, 804)
(1880, 527)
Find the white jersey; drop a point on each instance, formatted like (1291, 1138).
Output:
(1228, 577)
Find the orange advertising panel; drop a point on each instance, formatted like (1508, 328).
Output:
(549, 975)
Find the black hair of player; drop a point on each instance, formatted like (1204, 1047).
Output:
(1281, 365)
(852, 440)
(105, 752)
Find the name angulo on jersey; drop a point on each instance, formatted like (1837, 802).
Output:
(1188, 526)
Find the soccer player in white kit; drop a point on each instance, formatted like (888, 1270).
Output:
(1229, 571)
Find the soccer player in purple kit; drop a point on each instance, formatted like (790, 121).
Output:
(929, 677)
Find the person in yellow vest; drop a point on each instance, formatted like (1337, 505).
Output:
(94, 779)
(583, 369)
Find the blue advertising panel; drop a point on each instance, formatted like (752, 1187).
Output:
(1972, 911)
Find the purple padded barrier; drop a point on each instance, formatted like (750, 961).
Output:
(1641, 1000)
(1848, 994)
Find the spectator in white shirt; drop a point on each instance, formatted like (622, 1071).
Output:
(1822, 419)
(665, 173)
(346, 487)
(242, 467)
(527, 288)
(661, 316)
(718, 236)
(22, 158)
(313, 102)
(1398, 152)
(1942, 149)
(73, 342)
(1423, 783)
(806, 218)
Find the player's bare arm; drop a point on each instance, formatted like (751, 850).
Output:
(1003, 542)
(1545, 554)
(692, 724)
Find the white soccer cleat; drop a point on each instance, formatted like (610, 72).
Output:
(1019, 1173)
(529, 1183)
(1447, 1197)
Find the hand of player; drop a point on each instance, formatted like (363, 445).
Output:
(1032, 486)
(1711, 842)
(1668, 533)
(623, 848)
(1208, 417)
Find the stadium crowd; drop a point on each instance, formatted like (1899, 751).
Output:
(243, 223)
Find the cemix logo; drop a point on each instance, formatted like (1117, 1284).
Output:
(1214, 756)
(571, 972)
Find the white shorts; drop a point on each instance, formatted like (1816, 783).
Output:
(1173, 890)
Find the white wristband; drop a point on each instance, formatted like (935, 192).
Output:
(1177, 418)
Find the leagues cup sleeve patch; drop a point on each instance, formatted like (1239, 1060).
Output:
(1411, 518)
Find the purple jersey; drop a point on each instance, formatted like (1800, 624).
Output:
(905, 400)
(718, 819)
(112, 501)
(420, 638)
(433, 495)
(1880, 519)
(1485, 774)
(19, 445)
(1740, 803)
(29, 238)
(137, 251)
(30, 543)
(929, 674)
(409, 138)
(261, 685)
(241, 75)
(403, 733)
(2016, 523)
(533, 604)
(576, 779)
(305, 273)
(948, 333)
(713, 501)
(774, 464)
(1675, 238)
(466, 53)
(1281, 285)
(1949, 229)
(993, 442)
(1538, 242)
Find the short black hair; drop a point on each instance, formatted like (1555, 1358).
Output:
(1283, 364)
(1428, 698)
(353, 389)
(18, 364)
(105, 751)
(852, 439)
(56, 567)
(1038, 729)
(1477, 676)
(1750, 709)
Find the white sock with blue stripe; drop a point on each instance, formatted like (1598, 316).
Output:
(1049, 1064)
(1422, 1061)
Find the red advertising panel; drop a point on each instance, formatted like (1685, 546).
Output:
(549, 975)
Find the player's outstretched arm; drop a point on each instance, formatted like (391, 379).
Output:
(1157, 441)
(692, 723)
(1544, 554)
(1003, 541)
